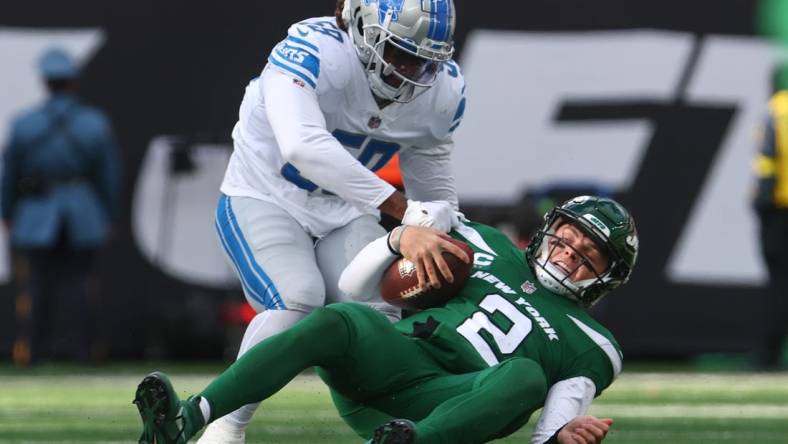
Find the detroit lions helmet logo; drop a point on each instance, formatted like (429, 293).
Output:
(384, 6)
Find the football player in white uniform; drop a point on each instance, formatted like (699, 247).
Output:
(337, 99)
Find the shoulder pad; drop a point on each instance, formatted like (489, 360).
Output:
(308, 49)
(450, 96)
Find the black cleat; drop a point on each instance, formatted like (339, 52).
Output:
(165, 418)
(396, 431)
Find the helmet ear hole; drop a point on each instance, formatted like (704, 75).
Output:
(359, 24)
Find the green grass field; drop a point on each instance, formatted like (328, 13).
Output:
(78, 405)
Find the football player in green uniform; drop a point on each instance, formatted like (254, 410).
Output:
(515, 339)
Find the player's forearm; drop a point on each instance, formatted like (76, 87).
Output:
(361, 278)
(566, 399)
(427, 175)
(395, 205)
(300, 129)
(338, 172)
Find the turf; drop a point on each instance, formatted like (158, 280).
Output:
(73, 404)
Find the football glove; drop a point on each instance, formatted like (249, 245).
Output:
(437, 214)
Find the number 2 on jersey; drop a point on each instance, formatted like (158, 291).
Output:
(506, 342)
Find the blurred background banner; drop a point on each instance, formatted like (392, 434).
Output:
(656, 103)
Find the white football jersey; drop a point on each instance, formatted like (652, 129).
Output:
(279, 120)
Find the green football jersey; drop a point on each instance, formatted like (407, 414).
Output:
(503, 311)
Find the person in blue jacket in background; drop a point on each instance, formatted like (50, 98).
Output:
(60, 194)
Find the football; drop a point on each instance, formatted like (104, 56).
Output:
(399, 285)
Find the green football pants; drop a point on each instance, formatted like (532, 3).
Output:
(376, 373)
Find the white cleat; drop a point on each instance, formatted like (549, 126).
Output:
(222, 431)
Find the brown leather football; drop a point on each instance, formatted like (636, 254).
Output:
(400, 286)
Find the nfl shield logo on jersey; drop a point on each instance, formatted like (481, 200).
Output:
(528, 287)
(374, 122)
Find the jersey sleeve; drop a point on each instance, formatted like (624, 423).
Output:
(108, 171)
(596, 367)
(300, 130)
(600, 359)
(427, 175)
(297, 58)
(566, 399)
(451, 101)
(292, 83)
(361, 278)
(426, 170)
(306, 50)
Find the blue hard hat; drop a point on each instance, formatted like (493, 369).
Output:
(55, 63)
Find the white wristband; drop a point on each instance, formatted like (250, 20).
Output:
(394, 238)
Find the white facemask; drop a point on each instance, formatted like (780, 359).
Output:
(554, 278)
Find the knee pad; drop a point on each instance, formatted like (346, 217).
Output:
(298, 291)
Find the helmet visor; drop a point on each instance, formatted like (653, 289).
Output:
(400, 59)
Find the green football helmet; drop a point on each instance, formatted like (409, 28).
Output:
(612, 229)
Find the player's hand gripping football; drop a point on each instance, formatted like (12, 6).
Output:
(584, 430)
(424, 247)
(438, 214)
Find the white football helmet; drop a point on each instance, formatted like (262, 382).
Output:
(402, 43)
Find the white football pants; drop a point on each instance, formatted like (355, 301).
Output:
(284, 273)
